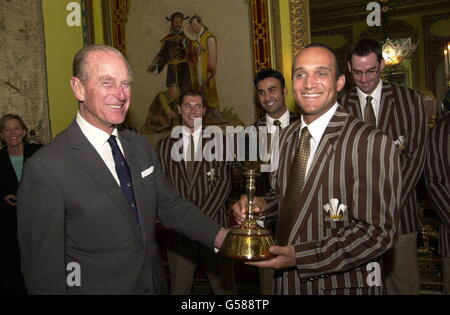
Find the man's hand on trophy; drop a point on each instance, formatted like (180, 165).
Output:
(284, 258)
(240, 208)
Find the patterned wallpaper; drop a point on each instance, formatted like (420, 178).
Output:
(23, 82)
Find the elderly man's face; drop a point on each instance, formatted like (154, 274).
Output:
(106, 94)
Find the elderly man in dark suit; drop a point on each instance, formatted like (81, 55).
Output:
(336, 192)
(88, 201)
(399, 112)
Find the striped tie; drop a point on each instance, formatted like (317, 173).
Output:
(294, 188)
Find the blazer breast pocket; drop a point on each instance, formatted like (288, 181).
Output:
(147, 172)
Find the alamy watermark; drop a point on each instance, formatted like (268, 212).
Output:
(73, 278)
(374, 17)
(374, 277)
(74, 17)
(234, 144)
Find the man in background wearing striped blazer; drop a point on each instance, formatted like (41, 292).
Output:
(400, 113)
(207, 185)
(332, 231)
(437, 179)
(271, 91)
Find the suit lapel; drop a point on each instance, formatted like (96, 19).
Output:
(89, 159)
(318, 169)
(354, 106)
(386, 106)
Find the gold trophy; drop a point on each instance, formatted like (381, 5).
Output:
(249, 241)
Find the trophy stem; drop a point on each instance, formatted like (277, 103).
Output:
(249, 241)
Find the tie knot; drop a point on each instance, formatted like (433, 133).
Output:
(277, 123)
(305, 135)
(113, 144)
(369, 100)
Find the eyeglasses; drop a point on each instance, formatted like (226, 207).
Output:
(370, 73)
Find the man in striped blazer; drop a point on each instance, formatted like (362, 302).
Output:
(207, 185)
(437, 179)
(271, 91)
(399, 112)
(331, 234)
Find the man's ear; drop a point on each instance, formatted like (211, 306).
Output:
(349, 66)
(340, 82)
(285, 91)
(77, 88)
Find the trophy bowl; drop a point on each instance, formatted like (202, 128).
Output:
(249, 241)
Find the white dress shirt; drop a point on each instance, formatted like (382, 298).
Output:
(284, 120)
(316, 129)
(99, 140)
(376, 94)
(186, 142)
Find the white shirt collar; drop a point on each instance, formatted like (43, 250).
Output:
(96, 137)
(376, 94)
(318, 126)
(187, 133)
(284, 120)
(99, 140)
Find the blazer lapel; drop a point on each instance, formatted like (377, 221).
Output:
(89, 159)
(354, 106)
(318, 168)
(386, 106)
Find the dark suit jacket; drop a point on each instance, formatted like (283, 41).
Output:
(8, 186)
(437, 178)
(72, 210)
(401, 113)
(8, 178)
(359, 166)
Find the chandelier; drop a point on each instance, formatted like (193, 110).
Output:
(398, 50)
(395, 51)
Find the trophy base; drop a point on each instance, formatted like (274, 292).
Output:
(249, 244)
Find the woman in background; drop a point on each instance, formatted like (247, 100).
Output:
(14, 153)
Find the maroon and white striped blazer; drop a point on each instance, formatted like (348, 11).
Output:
(437, 178)
(402, 114)
(360, 166)
(206, 192)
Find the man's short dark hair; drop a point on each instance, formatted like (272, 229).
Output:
(365, 47)
(269, 73)
(331, 50)
(191, 92)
